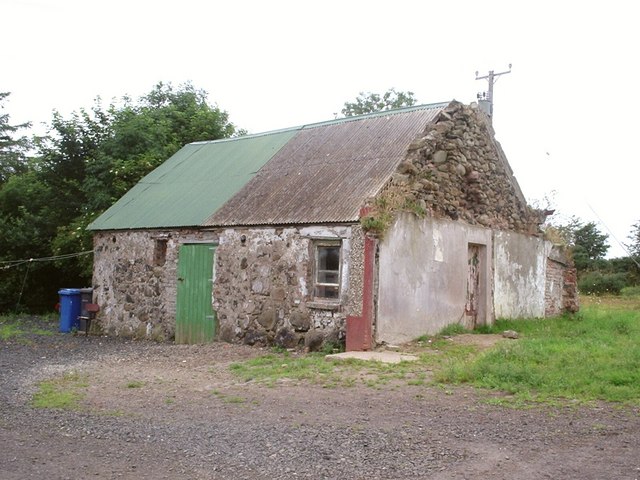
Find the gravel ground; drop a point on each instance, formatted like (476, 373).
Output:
(162, 411)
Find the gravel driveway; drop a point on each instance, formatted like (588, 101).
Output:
(162, 411)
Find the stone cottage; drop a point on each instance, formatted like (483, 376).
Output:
(377, 228)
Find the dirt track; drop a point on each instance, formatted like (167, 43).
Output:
(161, 411)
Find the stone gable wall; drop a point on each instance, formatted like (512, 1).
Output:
(457, 170)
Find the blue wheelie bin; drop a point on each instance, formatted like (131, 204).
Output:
(70, 303)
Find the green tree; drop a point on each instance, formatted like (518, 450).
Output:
(634, 254)
(88, 161)
(634, 237)
(589, 246)
(596, 274)
(28, 221)
(121, 144)
(13, 150)
(368, 102)
(146, 133)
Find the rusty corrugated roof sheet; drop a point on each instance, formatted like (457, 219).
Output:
(326, 171)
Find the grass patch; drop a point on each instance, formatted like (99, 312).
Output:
(573, 359)
(625, 302)
(631, 292)
(64, 393)
(16, 327)
(135, 384)
(313, 368)
(594, 355)
(10, 330)
(271, 368)
(228, 399)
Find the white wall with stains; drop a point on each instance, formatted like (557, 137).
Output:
(520, 264)
(423, 274)
(422, 283)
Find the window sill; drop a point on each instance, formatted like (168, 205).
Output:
(324, 305)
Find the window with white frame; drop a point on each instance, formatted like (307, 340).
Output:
(327, 270)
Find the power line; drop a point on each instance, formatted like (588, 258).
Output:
(6, 264)
(622, 245)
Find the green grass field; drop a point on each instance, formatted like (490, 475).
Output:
(593, 355)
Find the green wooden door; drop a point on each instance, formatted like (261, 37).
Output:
(195, 318)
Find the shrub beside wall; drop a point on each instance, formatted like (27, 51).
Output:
(597, 283)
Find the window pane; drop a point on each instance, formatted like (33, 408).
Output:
(328, 277)
(326, 291)
(329, 258)
(327, 274)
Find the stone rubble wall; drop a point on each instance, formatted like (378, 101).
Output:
(135, 290)
(353, 301)
(262, 293)
(570, 301)
(263, 289)
(457, 170)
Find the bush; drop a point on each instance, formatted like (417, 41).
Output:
(596, 283)
(631, 291)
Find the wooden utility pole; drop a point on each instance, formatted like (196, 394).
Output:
(487, 97)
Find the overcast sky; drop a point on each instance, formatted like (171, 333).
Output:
(567, 115)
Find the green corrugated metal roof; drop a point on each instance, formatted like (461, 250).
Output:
(193, 183)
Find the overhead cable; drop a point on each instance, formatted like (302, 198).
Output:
(5, 264)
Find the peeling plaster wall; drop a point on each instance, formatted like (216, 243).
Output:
(263, 290)
(422, 276)
(135, 290)
(423, 271)
(520, 265)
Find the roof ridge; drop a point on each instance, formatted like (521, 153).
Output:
(335, 121)
(381, 113)
(249, 135)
